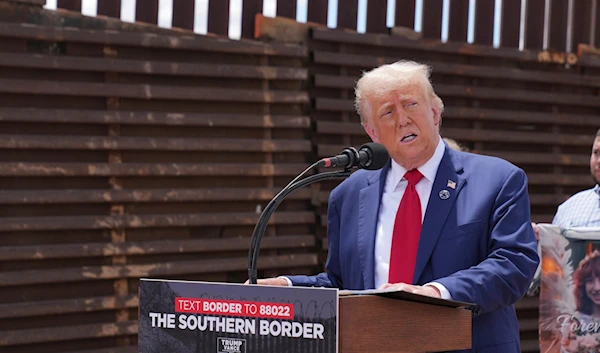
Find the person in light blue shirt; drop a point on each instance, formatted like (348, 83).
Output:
(583, 208)
(580, 210)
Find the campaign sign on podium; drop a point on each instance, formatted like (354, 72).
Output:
(190, 317)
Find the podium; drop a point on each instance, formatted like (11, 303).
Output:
(372, 323)
(191, 316)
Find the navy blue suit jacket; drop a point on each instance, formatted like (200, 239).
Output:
(478, 242)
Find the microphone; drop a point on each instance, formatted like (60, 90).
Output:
(370, 156)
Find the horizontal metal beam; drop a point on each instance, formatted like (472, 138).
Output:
(441, 68)
(15, 224)
(67, 306)
(149, 169)
(170, 246)
(67, 333)
(91, 273)
(148, 40)
(74, 196)
(129, 66)
(125, 143)
(431, 46)
(68, 116)
(150, 92)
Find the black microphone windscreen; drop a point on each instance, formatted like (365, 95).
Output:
(379, 155)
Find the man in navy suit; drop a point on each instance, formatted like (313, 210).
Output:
(434, 221)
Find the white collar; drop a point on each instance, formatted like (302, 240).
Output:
(429, 169)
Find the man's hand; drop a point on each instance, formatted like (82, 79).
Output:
(271, 282)
(429, 291)
(536, 231)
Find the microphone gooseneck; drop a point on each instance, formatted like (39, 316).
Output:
(371, 156)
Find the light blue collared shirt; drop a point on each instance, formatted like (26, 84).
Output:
(580, 210)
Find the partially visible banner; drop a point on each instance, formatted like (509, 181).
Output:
(191, 317)
(569, 290)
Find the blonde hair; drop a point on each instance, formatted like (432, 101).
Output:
(393, 77)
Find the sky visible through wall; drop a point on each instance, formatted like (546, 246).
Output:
(269, 9)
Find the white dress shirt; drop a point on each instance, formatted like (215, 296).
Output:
(395, 184)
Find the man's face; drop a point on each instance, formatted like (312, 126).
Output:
(406, 123)
(595, 160)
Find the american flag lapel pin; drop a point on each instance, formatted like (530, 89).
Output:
(451, 184)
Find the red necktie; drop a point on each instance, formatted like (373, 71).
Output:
(407, 230)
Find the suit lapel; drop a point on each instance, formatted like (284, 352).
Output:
(441, 200)
(368, 212)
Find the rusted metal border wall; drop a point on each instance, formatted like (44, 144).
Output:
(126, 154)
(573, 19)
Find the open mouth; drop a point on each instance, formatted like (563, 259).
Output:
(408, 138)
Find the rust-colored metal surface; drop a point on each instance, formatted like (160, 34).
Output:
(459, 20)
(510, 25)
(111, 8)
(317, 11)
(183, 14)
(484, 23)
(583, 25)
(558, 25)
(432, 19)
(347, 14)
(147, 11)
(376, 20)
(286, 8)
(127, 153)
(405, 13)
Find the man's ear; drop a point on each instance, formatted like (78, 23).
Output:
(371, 132)
(436, 115)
